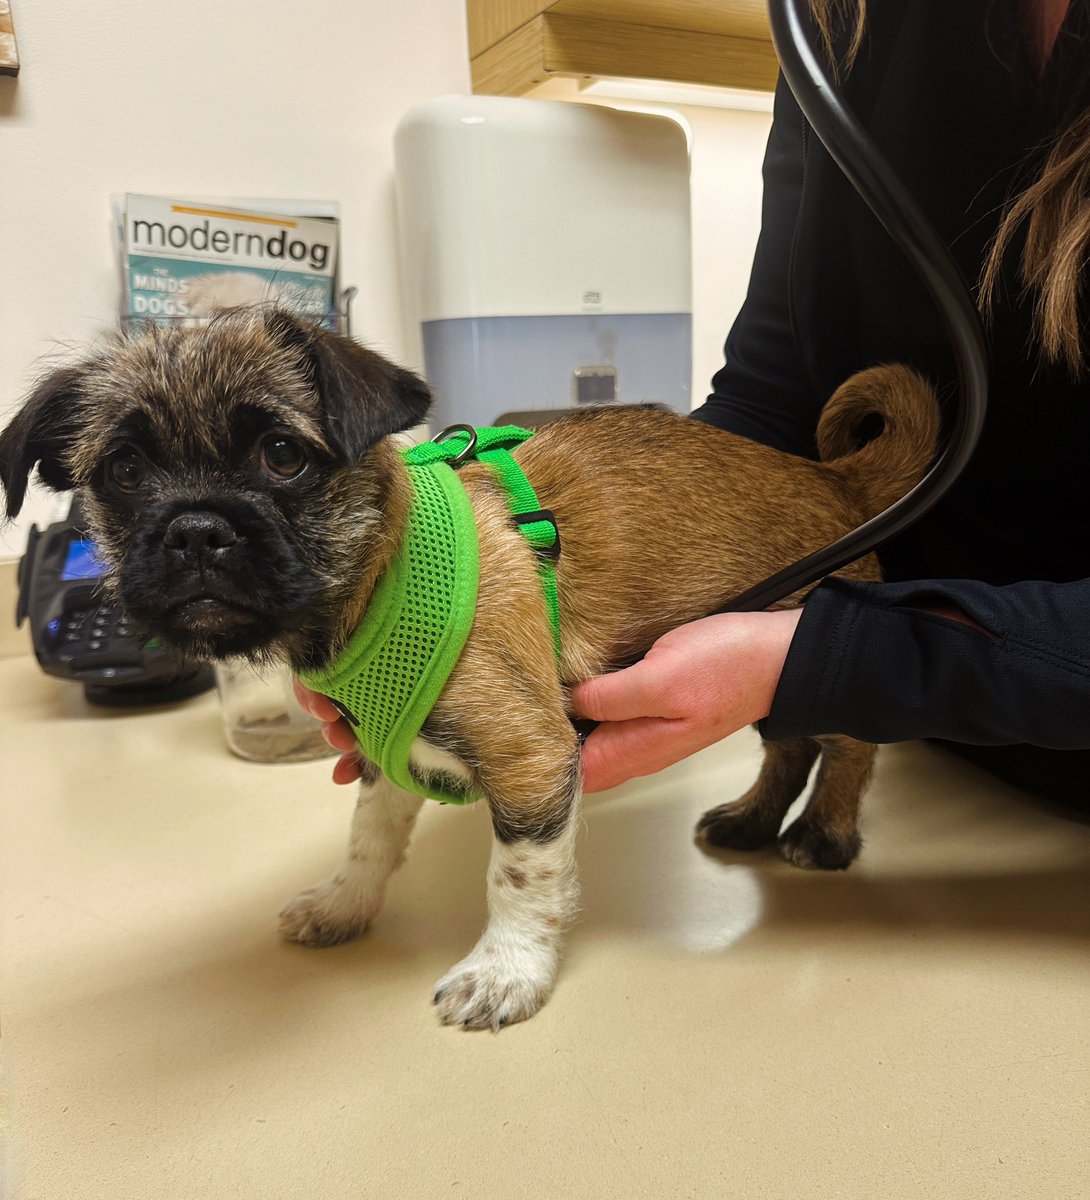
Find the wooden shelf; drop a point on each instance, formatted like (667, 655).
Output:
(515, 45)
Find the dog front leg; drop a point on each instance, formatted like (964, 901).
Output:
(533, 893)
(342, 906)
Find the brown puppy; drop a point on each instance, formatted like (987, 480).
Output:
(244, 487)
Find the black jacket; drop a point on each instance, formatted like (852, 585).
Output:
(945, 94)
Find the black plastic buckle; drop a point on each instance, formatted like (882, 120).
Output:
(345, 712)
(552, 551)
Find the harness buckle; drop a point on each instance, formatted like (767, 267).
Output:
(545, 539)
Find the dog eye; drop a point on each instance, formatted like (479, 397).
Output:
(282, 457)
(127, 470)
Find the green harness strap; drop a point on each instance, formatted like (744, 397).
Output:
(493, 446)
(387, 679)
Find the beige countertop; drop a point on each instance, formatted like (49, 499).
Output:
(723, 1027)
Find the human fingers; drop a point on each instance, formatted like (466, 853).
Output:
(619, 751)
(347, 768)
(621, 695)
(335, 728)
(315, 703)
(339, 736)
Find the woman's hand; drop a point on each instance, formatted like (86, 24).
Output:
(697, 684)
(335, 730)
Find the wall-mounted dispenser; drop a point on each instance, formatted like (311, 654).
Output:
(546, 253)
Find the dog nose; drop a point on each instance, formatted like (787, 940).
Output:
(199, 533)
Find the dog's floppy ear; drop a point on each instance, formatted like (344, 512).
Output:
(41, 432)
(364, 397)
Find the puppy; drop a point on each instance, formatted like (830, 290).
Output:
(244, 486)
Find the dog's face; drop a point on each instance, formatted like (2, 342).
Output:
(226, 472)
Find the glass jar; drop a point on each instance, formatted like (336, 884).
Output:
(262, 720)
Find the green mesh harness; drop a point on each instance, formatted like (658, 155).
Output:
(387, 679)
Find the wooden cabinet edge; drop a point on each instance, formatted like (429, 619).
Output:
(557, 44)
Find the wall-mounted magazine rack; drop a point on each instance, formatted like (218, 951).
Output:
(182, 260)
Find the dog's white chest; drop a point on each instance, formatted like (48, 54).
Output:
(427, 760)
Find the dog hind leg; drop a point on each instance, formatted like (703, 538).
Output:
(754, 820)
(826, 835)
(342, 906)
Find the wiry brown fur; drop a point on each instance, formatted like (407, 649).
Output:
(662, 521)
(192, 394)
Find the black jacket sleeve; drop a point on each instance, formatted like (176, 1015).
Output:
(829, 294)
(868, 661)
(763, 391)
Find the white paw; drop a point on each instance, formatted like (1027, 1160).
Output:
(330, 912)
(493, 986)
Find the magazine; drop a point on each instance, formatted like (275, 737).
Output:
(182, 259)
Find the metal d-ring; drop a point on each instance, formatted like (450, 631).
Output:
(462, 455)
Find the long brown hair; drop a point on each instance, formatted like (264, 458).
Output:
(1054, 209)
(833, 15)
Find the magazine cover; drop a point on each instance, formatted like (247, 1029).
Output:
(9, 54)
(182, 259)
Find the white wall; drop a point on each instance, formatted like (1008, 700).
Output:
(728, 148)
(209, 97)
(262, 98)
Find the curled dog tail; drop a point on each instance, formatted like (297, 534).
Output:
(902, 406)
